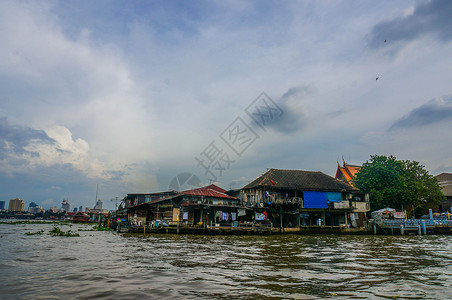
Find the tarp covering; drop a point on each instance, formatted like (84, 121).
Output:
(315, 199)
(388, 213)
(334, 197)
(383, 210)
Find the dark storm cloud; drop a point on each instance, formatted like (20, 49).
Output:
(434, 17)
(436, 110)
(60, 181)
(292, 118)
(14, 138)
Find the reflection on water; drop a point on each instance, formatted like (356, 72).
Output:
(109, 265)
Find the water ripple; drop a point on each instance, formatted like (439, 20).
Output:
(108, 265)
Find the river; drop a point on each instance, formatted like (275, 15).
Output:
(108, 265)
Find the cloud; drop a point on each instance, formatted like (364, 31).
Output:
(23, 148)
(434, 111)
(65, 150)
(15, 139)
(433, 17)
(293, 117)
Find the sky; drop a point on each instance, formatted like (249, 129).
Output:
(117, 97)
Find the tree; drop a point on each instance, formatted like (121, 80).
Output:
(398, 184)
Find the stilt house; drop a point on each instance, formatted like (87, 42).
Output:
(292, 198)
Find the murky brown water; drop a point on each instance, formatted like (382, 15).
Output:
(107, 265)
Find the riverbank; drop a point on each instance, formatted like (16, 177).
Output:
(244, 230)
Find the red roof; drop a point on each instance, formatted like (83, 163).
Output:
(216, 188)
(208, 191)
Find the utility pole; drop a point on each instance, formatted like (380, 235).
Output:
(116, 202)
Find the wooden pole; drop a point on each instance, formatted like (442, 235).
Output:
(280, 217)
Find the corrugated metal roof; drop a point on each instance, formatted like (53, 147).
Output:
(207, 192)
(444, 177)
(155, 201)
(215, 188)
(445, 181)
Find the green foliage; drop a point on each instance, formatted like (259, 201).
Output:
(56, 231)
(397, 183)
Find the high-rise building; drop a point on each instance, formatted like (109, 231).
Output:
(75, 209)
(65, 205)
(16, 205)
(2, 205)
(35, 209)
(80, 208)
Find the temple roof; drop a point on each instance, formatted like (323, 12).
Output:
(346, 172)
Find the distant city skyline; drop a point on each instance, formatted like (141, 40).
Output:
(64, 203)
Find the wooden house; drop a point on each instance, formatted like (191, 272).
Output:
(195, 207)
(293, 198)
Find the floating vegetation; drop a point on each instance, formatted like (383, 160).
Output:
(100, 228)
(27, 222)
(96, 228)
(56, 231)
(35, 233)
